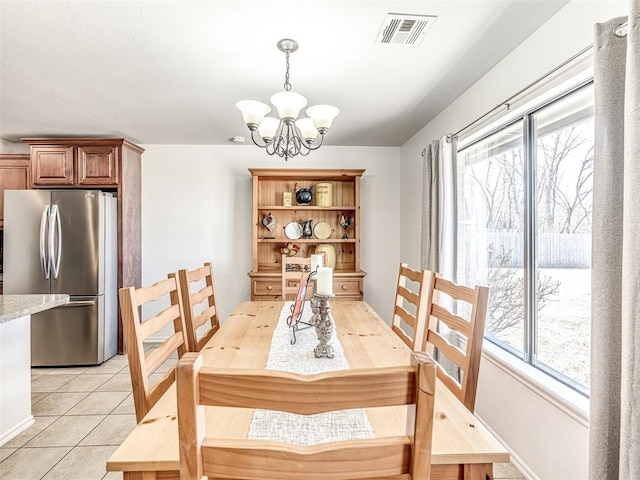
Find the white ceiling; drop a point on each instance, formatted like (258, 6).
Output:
(170, 72)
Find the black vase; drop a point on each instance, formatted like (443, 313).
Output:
(304, 196)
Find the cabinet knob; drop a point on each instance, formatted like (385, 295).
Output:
(269, 287)
(344, 287)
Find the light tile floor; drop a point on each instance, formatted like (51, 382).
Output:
(82, 415)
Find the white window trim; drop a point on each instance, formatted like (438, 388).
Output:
(555, 392)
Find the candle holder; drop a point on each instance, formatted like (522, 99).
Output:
(323, 321)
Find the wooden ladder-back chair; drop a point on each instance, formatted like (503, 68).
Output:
(372, 458)
(463, 353)
(291, 278)
(141, 366)
(196, 312)
(411, 305)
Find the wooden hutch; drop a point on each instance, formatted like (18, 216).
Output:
(268, 188)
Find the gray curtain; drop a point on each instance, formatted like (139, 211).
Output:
(439, 198)
(614, 434)
(439, 207)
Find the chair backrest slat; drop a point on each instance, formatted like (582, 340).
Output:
(341, 390)
(200, 304)
(371, 458)
(463, 354)
(243, 459)
(136, 331)
(417, 300)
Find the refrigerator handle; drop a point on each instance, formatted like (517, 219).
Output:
(54, 255)
(44, 259)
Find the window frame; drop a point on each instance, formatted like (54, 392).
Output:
(529, 148)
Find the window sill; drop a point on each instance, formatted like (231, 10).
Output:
(566, 399)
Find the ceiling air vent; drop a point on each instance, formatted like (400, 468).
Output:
(401, 29)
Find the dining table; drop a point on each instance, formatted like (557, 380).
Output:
(462, 447)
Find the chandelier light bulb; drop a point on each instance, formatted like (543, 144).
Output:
(252, 112)
(307, 129)
(322, 116)
(268, 128)
(288, 104)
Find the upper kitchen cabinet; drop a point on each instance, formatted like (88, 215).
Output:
(69, 162)
(15, 174)
(110, 164)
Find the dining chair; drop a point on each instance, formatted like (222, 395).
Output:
(291, 277)
(410, 310)
(201, 455)
(199, 301)
(461, 346)
(142, 364)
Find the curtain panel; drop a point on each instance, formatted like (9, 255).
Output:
(614, 434)
(439, 199)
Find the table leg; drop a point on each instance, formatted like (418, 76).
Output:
(478, 471)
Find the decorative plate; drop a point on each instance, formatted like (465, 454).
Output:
(322, 230)
(293, 230)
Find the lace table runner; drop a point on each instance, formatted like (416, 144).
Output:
(298, 358)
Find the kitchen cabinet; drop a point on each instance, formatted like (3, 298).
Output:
(15, 174)
(74, 165)
(110, 164)
(340, 199)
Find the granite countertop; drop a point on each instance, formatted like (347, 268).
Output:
(16, 306)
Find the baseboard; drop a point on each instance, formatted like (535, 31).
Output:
(516, 461)
(15, 431)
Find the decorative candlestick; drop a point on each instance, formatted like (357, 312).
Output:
(323, 322)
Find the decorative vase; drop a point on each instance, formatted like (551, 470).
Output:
(303, 195)
(306, 229)
(329, 253)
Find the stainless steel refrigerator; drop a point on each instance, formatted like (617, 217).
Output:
(65, 241)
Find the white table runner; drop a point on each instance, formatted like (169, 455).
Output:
(298, 358)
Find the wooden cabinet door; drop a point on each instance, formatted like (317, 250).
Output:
(52, 165)
(97, 166)
(15, 174)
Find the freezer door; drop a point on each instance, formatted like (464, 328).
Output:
(26, 222)
(72, 334)
(77, 242)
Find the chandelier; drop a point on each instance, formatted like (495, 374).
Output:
(287, 137)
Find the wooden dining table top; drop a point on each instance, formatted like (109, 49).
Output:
(244, 340)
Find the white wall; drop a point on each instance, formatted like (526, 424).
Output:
(196, 207)
(11, 147)
(551, 450)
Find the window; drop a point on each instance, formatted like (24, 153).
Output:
(524, 229)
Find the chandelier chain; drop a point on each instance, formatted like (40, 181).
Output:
(287, 85)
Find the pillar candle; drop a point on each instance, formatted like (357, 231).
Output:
(316, 262)
(325, 281)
